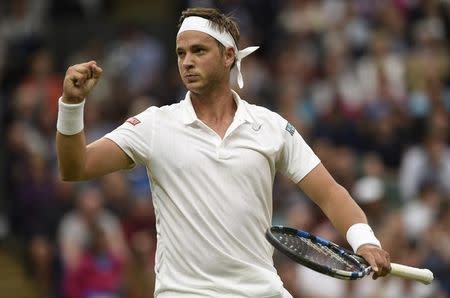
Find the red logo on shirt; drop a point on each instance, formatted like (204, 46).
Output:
(133, 121)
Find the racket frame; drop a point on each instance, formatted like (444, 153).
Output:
(424, 276)
(364, 269)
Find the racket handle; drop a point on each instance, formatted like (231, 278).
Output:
(423, 275)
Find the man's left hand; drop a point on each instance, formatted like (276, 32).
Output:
(377, 258)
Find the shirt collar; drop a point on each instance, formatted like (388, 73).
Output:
(242, 113)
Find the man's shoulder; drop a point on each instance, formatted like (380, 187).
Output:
(255, 108)
(262, 113)
(155, 111)
(163, 108)
(271, 120)
(143, 123)
(170, 108)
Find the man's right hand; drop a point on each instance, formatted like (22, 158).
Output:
(79, 81)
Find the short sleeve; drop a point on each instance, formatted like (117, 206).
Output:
(297, 158)
(134, 136)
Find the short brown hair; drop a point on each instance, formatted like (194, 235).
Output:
(218, 20)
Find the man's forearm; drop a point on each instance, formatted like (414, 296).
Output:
(71, 151)
(349, 219)
(342, 210)
(333, 199)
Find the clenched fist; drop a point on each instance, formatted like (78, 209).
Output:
(79, 81)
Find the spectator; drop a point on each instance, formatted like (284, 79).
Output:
(428, 161)
(140, 278)
(99, 272)
(417, 214)
(438, 241)
(74, 228)
(369, 192)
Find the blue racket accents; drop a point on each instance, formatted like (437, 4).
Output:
(317, 239)
(322, 241)
(303, 234)
(356, 275)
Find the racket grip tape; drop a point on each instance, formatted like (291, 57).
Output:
(424, 276)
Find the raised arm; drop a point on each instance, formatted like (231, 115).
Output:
(345, 214)
(76, 160)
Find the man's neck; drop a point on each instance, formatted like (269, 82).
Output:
(214, 106)
(215, 109)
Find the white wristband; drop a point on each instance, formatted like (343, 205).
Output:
(70, 118)
(359, 234)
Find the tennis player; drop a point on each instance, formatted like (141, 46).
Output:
(211, 159)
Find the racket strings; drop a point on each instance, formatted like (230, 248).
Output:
(338, 258)
(317, 253)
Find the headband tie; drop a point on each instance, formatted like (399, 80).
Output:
(203, 25)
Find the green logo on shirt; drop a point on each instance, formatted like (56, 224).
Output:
(290, 128)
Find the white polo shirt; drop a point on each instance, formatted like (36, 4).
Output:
(213, 196)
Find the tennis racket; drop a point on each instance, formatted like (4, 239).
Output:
(329, 258)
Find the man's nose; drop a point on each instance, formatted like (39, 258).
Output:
(188, 61)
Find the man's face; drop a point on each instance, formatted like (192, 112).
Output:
(202, 65)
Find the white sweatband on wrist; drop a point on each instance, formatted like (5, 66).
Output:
(359, 234)
(70, 118)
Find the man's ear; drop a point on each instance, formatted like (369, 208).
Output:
(230, 56)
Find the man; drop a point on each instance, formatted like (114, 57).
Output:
(211, 159)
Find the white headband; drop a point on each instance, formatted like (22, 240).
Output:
(203, 25)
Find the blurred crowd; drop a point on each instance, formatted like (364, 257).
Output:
(366, 83)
